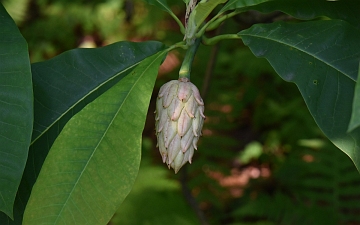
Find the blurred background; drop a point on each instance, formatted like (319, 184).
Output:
(261, 160)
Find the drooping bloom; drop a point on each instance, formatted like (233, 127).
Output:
(179, 117)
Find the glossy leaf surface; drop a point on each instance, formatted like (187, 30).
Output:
(238, 4)
(203, 10)
(322, 59)
(62, 87)
(310, 9)
(16, 109)
(355, 115)
(94, 162)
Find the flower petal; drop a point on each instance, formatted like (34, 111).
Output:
(196, 94)
(174, 148)
(165, 88)
(190, 155)
(186, 141)
(158, 108)
(190, 106)
(201, 110)
(169, 95)
(162, 149)
(184, 91)
(169, 132)
(200, 127)
(174, 109)
(162, 121)
(178, 161)
(195, 140)
(196, 123)
(184, 123)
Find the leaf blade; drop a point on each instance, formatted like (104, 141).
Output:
(16, 110)
(325, 81)
(238, 4)
(309, 9)
(94, 72)
(105, 125)
(355, 114)
(116, 60)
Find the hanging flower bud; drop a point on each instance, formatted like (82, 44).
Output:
(179, 117)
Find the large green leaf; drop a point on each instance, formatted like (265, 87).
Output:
(322, 59)
(302, 9)
(16, 109)
(94, 162)
(62, 87)
(310, 9)
(237, 4)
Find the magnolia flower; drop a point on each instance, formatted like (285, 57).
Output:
(179, 118)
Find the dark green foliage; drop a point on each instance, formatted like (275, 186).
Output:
(62, 87)
(324, 73)
(16, 109)
(310, 9)
(318, 186)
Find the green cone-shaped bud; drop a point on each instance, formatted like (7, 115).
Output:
(179, 118)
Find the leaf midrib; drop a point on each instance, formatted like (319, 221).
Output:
(100, 140)
(308, 53)
(81, 99)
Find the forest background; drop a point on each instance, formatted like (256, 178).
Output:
(262, 159)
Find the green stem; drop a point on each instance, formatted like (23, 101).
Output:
(215, 24)
(203, 29)
(216, 21)
(182, 28)
(181, 44)
(185, 69)
(216, 39)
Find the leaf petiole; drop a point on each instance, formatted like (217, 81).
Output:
(182, 28)
(203, 28)
(181, 44)
(215, 24)
(216, 21)
(216, 39)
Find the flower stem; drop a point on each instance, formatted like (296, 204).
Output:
(185, 69)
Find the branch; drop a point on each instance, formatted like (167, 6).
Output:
(190, 198)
